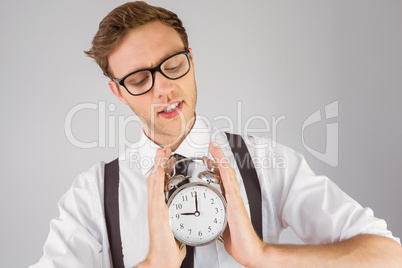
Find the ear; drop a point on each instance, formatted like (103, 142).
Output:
(192, 58)
(116, 91)
(191, 53)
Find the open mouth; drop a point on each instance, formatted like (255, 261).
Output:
(171, 108)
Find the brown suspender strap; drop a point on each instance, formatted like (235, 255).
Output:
(250, 179)
(111, 204)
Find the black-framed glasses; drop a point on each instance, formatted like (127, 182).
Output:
(140, 82)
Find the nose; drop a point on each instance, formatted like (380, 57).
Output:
(162, 85)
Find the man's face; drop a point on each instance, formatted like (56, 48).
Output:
(146, 47)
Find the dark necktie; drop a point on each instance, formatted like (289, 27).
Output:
(182, 168)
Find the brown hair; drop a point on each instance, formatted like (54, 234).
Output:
(123, 19)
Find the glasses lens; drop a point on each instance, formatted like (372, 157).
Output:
(139, 82)
(176, 67)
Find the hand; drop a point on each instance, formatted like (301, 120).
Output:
(196, 212)
(241, 241)
(164, 250)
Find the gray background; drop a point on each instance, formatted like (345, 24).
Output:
(278, 58)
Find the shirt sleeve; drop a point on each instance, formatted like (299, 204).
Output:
(76, 237)
(320, 212)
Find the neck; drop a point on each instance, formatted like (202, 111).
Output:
(166, 140)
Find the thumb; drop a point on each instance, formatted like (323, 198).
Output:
(218, 155)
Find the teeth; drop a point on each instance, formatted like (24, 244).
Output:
(171, 107)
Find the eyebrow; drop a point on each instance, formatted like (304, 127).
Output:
(167, 55)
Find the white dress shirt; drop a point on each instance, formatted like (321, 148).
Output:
(292, 195)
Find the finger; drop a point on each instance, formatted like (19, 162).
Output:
(210, 163)
(156, 179)
(218, 155)
(158, 158)
(170, 165)
(226, 172)
(165, 157)
(182, 248)
(168, 152)
(180, 245)
(214, 168)
(159, 179)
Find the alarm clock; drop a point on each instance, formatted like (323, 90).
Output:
(197, 210)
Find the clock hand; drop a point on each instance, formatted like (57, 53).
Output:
(196, 203)
(196, 213)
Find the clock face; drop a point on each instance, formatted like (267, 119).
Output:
(197, 214)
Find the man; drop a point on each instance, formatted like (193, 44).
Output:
(145, 53)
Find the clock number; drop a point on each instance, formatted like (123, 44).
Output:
(209, 228)
(212, 201)
(216, 210)
(205, 195)
(177, 216)
(184, 198)
(179, 206)
(189, 230)
(181, 226)
(215, 221)
(193, 193)
(199, 233)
